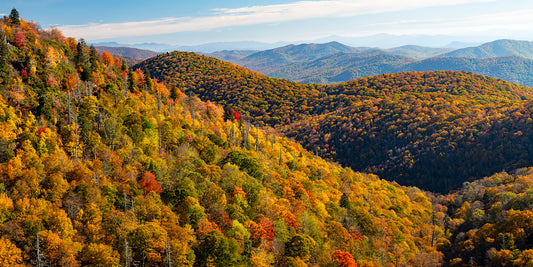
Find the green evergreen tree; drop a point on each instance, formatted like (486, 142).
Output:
(14, 16)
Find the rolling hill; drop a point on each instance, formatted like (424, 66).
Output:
(434, 130)
(345, 67)
(101, 165)
(510, 68)
(430, 129)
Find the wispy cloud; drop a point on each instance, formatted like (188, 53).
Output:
(252, 15)
(500, 23)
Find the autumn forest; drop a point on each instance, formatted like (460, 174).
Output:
(186, 160)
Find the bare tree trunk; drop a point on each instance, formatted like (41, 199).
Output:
(280, 155)
(168, 252)
(257, 140)
(69, 107)
(160, 139)
(273, 138)
(144, 93)
(127, 256)
(40, 261)
(77, 141)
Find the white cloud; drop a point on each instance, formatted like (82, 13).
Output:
(224, 17)
(511, 23)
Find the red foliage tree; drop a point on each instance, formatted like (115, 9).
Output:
(19, 39)
(236, 115)
(356, 235)
(267, 227)
(108, 59)
(149, 183)
(40, 130)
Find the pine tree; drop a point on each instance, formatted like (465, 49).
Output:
(14, 16)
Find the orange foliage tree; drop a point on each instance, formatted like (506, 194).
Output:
(344, 259)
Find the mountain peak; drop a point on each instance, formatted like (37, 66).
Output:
(497, 48)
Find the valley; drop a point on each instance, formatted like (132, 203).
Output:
(181, 159)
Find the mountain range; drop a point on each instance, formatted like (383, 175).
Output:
(384, 41)
(334, 62)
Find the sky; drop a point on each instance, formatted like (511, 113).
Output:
(193, 22)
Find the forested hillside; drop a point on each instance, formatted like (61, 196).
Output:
(490, 221)
(429, 129)
(101, 165)
(265, 100)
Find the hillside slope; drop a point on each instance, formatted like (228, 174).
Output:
(344, 67)
(490, 221)
(509, 68)
(102, 166)
(417, 52)
(264, 99)
(430, 129)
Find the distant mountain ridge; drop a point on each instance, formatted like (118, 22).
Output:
(305, 52)
(341, 67)
(496, 48)
(127, 52)
(268, 60)
(334, 62)
(201, 48)
(418, 52)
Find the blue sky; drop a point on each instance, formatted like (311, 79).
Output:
(202, 21)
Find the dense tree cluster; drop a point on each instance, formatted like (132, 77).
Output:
(429, 129)
(258, 97)
(102, 165)
(433, 129)
(490, 221)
